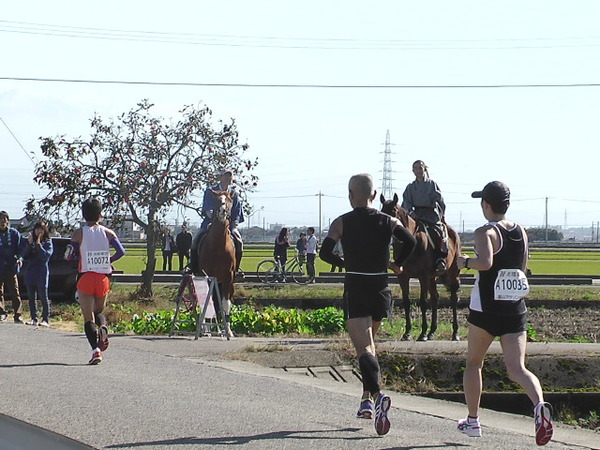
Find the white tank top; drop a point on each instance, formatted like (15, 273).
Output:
(94, 251)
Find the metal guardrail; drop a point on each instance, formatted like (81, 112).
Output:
(328, 277)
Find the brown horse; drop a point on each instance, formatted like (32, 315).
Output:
(421, 265)
(216, 254)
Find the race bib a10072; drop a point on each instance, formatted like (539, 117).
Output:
(511, 285)
(98, 261)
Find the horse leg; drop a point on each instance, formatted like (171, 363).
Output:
(226, 294)
(423, 281)
(404, 286)
(433, 299)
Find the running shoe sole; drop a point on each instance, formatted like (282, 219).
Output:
(95, 360)
(102, 338)
(544, 429)
(382, 406)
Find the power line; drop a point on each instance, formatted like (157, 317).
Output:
(15, 138)
(297, 42)
(309, 86)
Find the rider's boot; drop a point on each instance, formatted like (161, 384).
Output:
(441, 254)
(239, 274)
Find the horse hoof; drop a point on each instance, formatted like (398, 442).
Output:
(422, 338)
(455, 337)
(406, 337)
(431, 337)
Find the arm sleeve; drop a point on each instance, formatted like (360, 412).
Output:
(407, 199)
(408, 244)
(327, 255)
(440, 199)
(119, 249)
(237, 212)
(207, 202)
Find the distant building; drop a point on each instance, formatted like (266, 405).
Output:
(128, 229)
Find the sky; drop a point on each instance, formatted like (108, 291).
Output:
(479, 90)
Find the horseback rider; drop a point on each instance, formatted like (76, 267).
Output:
(236, 217)
(423, 200)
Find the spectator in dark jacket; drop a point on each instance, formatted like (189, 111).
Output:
(37, 252)
(280, 250)
(10, 264)
(183, 241)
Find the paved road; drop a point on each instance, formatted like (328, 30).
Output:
(177, 393)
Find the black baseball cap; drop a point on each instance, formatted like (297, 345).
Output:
(495, 193)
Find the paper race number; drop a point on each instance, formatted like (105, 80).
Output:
(98, 261)
(511, 285)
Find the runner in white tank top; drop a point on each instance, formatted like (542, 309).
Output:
(94, 250)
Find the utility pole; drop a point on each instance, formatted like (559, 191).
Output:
(546, 219)
(386, 189)
(320, 195)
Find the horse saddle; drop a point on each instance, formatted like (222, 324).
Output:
(436, 233)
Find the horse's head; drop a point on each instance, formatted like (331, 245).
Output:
(222, 206)
(391, 208)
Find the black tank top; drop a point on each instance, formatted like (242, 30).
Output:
(510, 256)
(366, 240)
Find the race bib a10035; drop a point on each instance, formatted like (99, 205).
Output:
(511, 285)
(98, 261)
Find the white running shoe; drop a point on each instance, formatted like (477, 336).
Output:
(542, 415)
(96, 357)
(470, 427)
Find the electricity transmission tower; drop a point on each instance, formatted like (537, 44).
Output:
(386, 189)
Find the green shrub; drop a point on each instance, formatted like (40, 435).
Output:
(246, 320)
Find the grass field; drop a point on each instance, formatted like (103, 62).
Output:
(540, 262)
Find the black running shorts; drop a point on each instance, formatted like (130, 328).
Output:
(497, 324)
(367, 296)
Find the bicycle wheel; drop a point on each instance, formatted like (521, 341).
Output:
(266, 271)
(186, 296)
(299, 274)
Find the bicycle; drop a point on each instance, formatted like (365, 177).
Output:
(270, 271)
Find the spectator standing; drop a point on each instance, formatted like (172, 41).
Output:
(168, 248)
(311, 253)
(37, 253)
(497, 308)
(11, 262)
(301, 248)
(282, 243)
(183, 242)
(91, 243)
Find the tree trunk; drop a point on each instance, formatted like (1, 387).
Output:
(152, 236)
